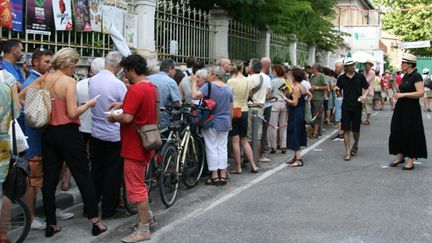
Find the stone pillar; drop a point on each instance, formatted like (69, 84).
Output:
(146, 9)
(264, 46)
(293, 50)
(219, 25)
(312, 55)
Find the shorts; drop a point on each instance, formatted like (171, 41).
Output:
(388, 94)
(338, 110)
(240, 126)
(36, 172)
(315, 108)
(377, 95)
(136, 187)
(368, 105)
(428, 94)
(259, 125)
(351, 120)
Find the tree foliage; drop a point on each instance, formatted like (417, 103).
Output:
(310, 20)
(409, 25)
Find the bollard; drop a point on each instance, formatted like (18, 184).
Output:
(255, 120)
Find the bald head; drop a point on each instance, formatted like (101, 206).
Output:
(225, 64)
(338, 67)
(265, 64)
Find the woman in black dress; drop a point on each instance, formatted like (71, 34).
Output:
(296, 131)
(407, 137)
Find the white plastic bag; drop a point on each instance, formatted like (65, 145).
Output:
(21, 139)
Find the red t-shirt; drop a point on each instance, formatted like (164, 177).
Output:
(140, 101)
(399, 79)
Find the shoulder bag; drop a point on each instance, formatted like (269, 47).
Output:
(237, 111)
(16, 181)
(37, 106)
(150, 133)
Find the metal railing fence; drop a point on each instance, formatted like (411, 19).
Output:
(279, 49)
(243, 41)
(302, 54)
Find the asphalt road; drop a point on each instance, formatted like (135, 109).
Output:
(327, 200)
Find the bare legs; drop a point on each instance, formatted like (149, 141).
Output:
(247, 151)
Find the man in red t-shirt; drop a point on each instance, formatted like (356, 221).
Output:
(386, 89)
(138, 107)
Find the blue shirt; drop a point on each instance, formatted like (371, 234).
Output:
(14, 70)
(111, 90)
(34, 139)
(169, 93)
(223, 97)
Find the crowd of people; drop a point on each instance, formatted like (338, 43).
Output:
(101, 147)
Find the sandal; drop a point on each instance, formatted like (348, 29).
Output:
(347, 157)
(315, 136)
(212, 181)
(394, 164)
(291, 161)
(297, 163)
(65, 188)
(52, 230)
(366, 122)
(354, 150)
(222, 181)
(236, 172)
(96, 230)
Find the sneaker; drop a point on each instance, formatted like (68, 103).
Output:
(264, 160)
(38, 224)
(60, 214)
(338, 138)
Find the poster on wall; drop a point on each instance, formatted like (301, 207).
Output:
(62, 14)
(131, 22)
(96, 15)
(5, 14)
(39, 16)
(108, 12)
(82, 15)
(120, 12)
(17, 7)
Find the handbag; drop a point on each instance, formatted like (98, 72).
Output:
(307, 112)
(37, 106)
(237, 111)
(21, 139)
(16, 182)
(204, 117)
(150, 133)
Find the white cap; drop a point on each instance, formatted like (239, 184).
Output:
(370, 61)
(348, 61)
(425, 70)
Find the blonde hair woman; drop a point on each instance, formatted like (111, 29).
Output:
(62, 141)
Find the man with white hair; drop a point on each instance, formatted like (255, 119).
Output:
(105, 146)
(83, 96)
(225, 65)
(339, 69)
(266, 73)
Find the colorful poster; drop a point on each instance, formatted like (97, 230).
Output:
(82, 15)
(17, 7)
(131, 22)
(108, 13)
(62, 10)
(96, 15)
(5, 14)
(39, 16)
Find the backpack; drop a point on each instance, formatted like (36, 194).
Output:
(204, 117)
(428, 82)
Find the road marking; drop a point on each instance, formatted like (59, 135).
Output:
(374, 114)
(417, 162)
(429, 116)
(317, 150)
(199, 211)
(384, 166)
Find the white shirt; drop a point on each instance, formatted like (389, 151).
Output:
(267, 84)
(83, 97)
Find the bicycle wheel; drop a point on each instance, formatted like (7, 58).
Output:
(168, 174)
(150, 175)
(17, 220)
(129, 206)
(194, 163)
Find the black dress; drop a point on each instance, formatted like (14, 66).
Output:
(296, 130)
(407, 132)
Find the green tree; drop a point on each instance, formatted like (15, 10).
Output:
(409, 25)
(310, 20)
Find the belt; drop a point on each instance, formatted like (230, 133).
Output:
(256, 105)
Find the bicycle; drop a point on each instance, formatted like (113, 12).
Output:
(182, 157)
(16, 219)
